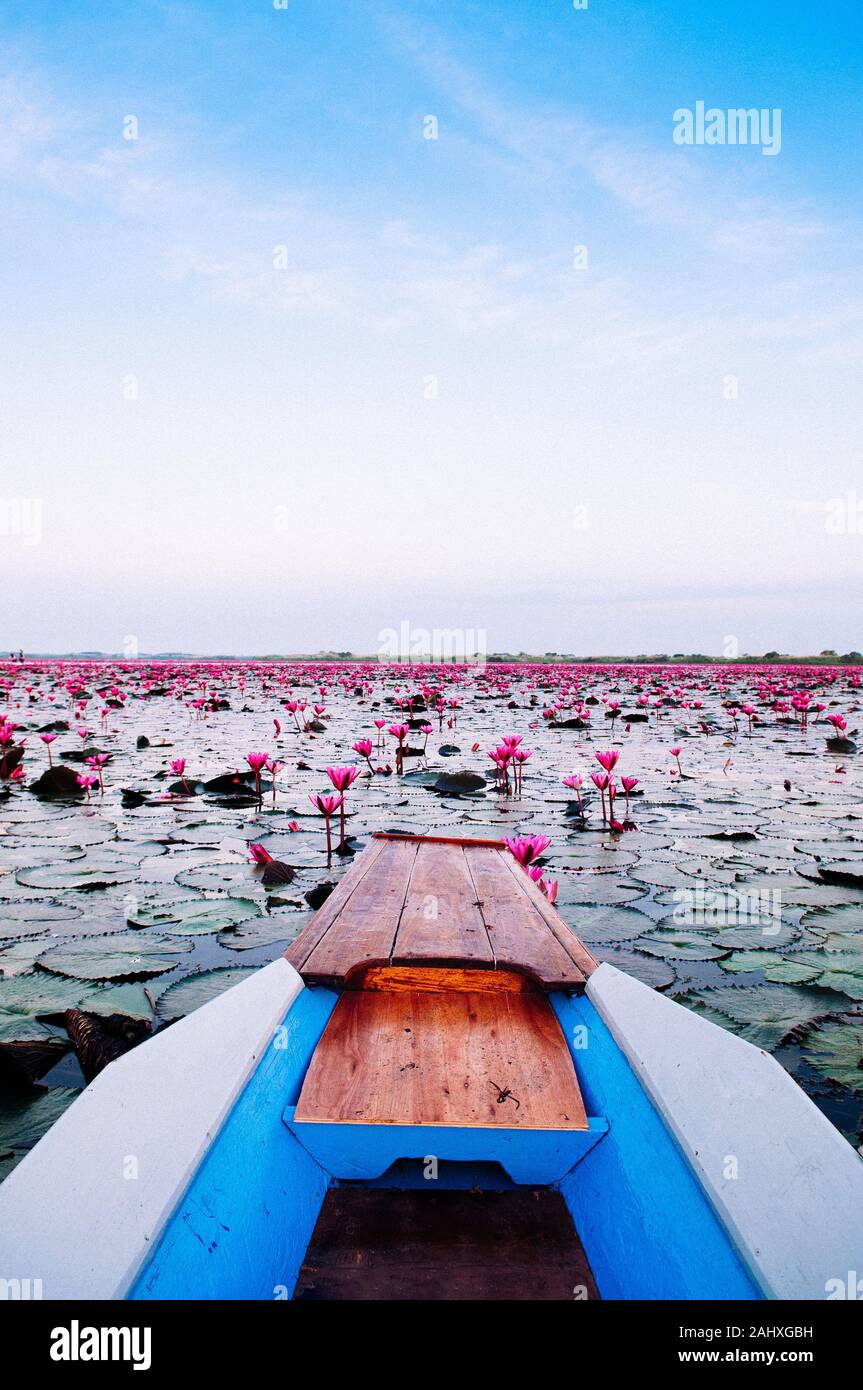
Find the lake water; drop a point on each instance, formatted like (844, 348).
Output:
(739, 896)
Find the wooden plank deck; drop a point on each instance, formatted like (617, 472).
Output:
(381, 1243)
(414, 1057)
(438, 902)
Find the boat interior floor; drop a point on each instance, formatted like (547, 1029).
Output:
(380, 1243)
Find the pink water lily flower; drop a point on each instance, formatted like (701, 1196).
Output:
(259, 855)
(48, 739)
(328, 805)
(629, 784)
(575, 783)
(525, 849)
(601, 780)
(608, 760)
(342, 777)
(98, 761)
(400, 732)
(364, 746)
(257, 761)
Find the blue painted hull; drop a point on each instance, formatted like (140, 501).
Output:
(243, 1224)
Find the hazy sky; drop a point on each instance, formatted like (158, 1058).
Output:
(282, 372)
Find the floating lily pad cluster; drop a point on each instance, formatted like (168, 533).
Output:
(737, 885)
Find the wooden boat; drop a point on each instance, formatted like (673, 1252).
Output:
(438, 1093)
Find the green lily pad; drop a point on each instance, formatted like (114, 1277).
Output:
(19, 1027)
(658, 974)
(847, 918)
(778, 969)
(193, 991)
(768, 1015)
(21, 919)
(195, 916)
(119, 956)
(771, 937)
(215, 877)
(837, 1052)
(39, 994)
(598, 924)
(680, 945)
(266, 931)
(85, 874)
(24, 1121)
(20, 957)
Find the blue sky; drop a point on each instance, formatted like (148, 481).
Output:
(427, 414)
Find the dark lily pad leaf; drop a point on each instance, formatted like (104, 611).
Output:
(778, 969)
(194, 916)
(459, 783)
(23, 1121)
(648, 969)
(122, 956)
(190, 993)
(265, 931)
(768, 1015)
(836, 1050)
(601, 924)
(84, 875)
(59, 781)
(679, 945)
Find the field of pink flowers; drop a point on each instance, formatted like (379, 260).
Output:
(167, 827)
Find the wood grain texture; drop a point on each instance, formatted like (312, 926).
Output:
(446, 979)
(441, 920)
(443, 1059)
(519, 934)
(380, 1243)
(376, 906)
(299, 950)
(459, 904)
(436, 839)
(571, 943)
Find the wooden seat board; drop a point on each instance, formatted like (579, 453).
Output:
(376, 906)
(519, 934)
(417, 1058)
(490, 914)
(441, 920)
(571, 943)
(326, 916)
